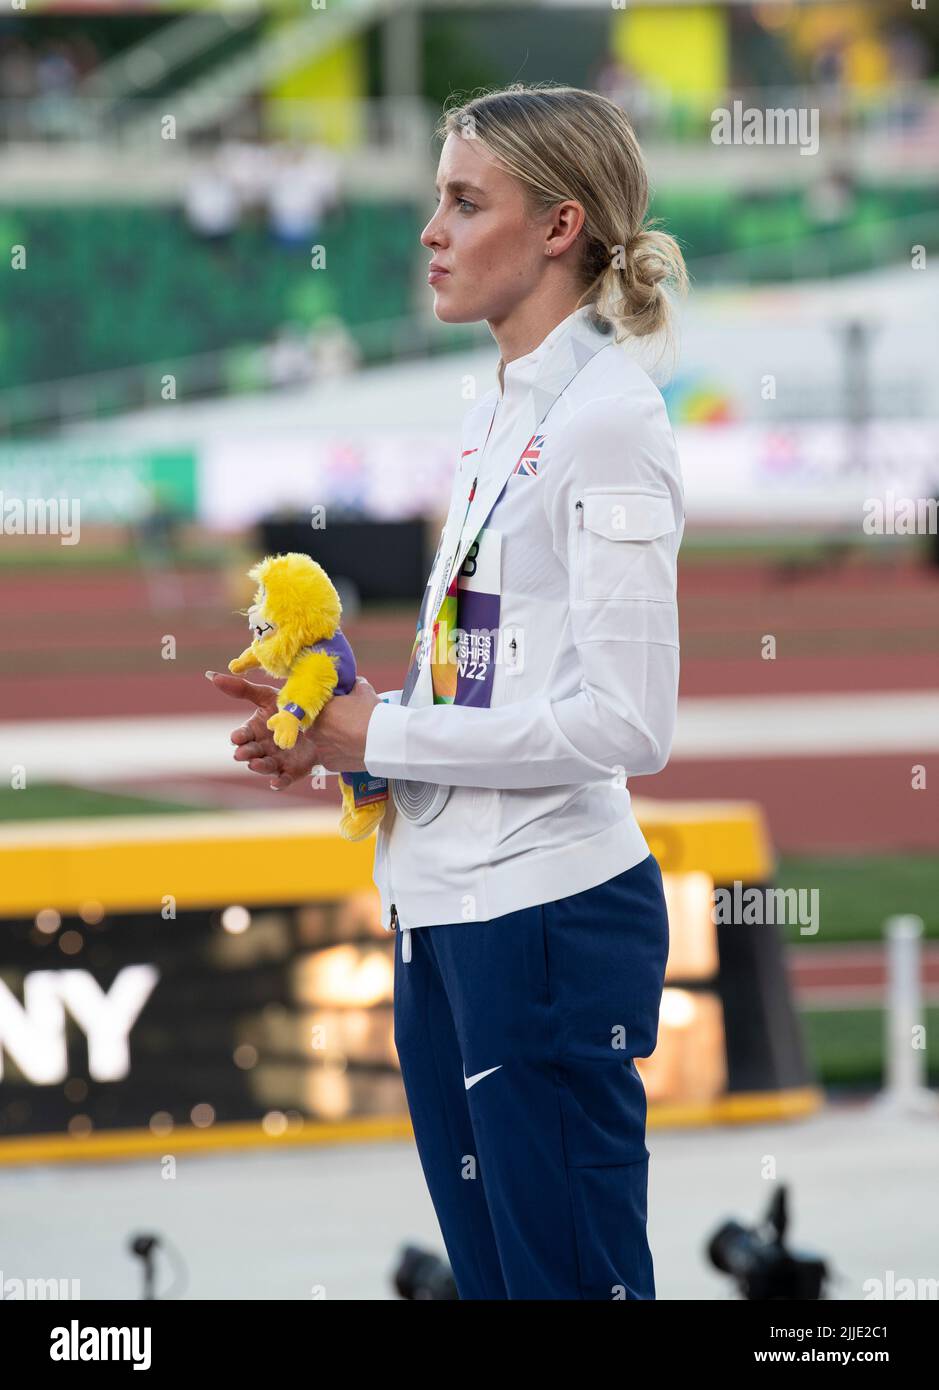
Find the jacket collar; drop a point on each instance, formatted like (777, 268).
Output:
(534, 382)
(522, 373)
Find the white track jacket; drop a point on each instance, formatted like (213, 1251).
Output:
(568, 673)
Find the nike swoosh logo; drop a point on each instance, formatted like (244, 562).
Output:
(471, 1080)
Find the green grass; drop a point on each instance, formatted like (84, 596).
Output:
(845, 1047)
(806, 551)
(51, 802)
(49, 557)
(857, 893)
(203, 550)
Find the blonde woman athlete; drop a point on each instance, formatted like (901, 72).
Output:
(531, 928)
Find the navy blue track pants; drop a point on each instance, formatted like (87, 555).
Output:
(517, 1039)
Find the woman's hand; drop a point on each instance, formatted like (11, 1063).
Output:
(336, 742)
(340, 730)
(256, 745)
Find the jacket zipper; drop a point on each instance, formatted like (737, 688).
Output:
(405, 934)
(393, 911)
(394, 920)
(512, 649)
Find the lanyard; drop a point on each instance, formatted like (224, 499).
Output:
(440, 596)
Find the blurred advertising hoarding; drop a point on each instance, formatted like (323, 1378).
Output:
(224, 970)
(788, 472)
(113, 485)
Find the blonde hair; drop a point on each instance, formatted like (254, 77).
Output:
(563, 142)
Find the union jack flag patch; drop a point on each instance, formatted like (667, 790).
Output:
(528, 459)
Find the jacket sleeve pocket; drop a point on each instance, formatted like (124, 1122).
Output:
(624, 545)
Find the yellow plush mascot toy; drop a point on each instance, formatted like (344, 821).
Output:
(295, 621)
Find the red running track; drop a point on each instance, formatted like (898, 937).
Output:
(88, 644)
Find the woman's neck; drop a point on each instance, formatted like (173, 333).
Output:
(520, 332)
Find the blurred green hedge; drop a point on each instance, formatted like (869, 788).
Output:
(107, 287)
(111, 286)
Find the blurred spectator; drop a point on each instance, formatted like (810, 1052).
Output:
(299, 355)
(157, 535)
(621, 84)
(333, 349)
(85, 54)
(909, 55)
(909, 64)
(829, 62)
(56, 72)
(39, 81)
(249, 167)
(17, 86)
(211, 203)
(304, 186)
(832, 91)
(17, 69)
(832, 197)
(289, 361)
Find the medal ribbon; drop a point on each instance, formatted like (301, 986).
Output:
(443, 671)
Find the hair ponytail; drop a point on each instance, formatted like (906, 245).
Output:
(630, 283)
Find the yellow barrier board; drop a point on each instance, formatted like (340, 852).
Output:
(120, 1145)
(206, 861)
(714, 1064)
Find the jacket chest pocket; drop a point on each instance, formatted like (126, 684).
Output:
(620, 550)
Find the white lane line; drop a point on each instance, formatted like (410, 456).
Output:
(120, 749)
(737, 727)
(782, 726)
